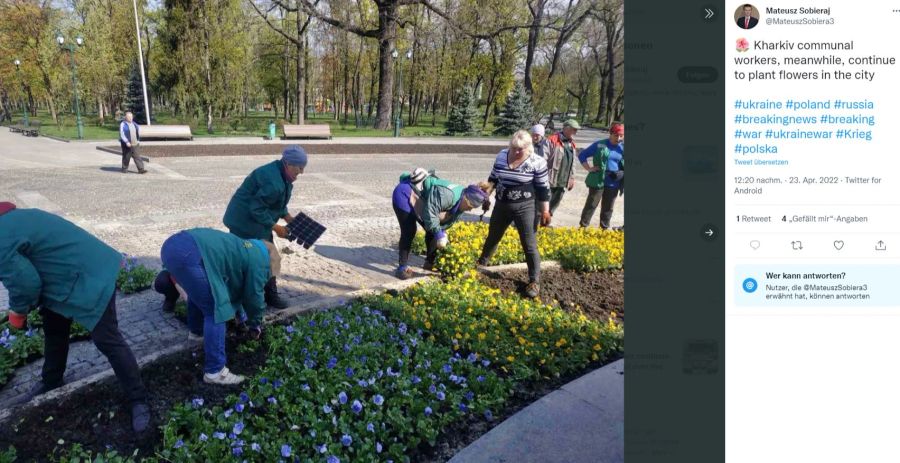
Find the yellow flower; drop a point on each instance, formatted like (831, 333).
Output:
(428, 325)
(596, 346)
(510, 359)
(481, 336)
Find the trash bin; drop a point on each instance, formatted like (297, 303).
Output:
(271, 130)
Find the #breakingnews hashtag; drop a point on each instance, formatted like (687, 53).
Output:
(737, 119)
(824, 119)
(737, 148)
(737, 104)
(838, 104)
(737, 133)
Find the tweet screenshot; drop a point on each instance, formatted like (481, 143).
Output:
(813, 231)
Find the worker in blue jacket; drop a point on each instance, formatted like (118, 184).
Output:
(262, 200)
(222, 276)
(50, 264)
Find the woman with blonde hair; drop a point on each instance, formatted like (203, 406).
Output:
(436, 204)
(520, 179)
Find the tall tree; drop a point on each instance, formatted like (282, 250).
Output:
(134, 95)
(517, 112)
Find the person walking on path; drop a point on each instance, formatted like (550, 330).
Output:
(519, 176)
(606, 175)
(222, 276)
(130, 139)
(561, 162)
(50, 264)
(541, 144)
(262, 200)
(435, 204)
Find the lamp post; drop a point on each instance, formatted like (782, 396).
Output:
(397, 121)
(71, 48)
(24, 95)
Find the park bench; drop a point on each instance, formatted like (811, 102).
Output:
(32, 130)
(16, 128)
(307, 131)
(166, 132)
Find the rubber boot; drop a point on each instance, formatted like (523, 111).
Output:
(273, 299)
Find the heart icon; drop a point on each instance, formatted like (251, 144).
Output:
(754, 244)
(838, 244)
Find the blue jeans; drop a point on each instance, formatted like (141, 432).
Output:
(181, 257)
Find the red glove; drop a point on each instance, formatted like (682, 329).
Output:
(17, 321)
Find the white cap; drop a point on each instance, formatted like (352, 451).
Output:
(538, 129)
(418, 175)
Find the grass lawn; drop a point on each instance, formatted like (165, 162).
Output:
(254, 125)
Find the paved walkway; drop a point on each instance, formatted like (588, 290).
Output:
(350, 194)
(583, 422)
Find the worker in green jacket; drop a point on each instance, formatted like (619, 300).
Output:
(259, 203)
(50, 264)
(434, 203)
(222, 276)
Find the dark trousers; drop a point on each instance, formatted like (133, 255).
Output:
(556, 196)
(109, 341)
(408, 222)
(128, 153)
(520, 213)
(590, 206)
(606, 206)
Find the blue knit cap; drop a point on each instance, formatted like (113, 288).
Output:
(294, 155)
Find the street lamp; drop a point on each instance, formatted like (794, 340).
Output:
(24, 94)
(397, 121)
(79, 41)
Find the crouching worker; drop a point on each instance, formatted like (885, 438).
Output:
(50, 264)
(221, 275)
(434, 203)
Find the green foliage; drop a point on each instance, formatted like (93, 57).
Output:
(134, 277)
(517, 114)
(297, 403)
(463, 115)
(77, 454)
(583, 258)
(8, 455)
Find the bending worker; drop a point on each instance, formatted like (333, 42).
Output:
(259, 203)
(434, 203)
(221, 275)
(50, 264)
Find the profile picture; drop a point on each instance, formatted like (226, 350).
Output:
(746, 16)
(742, 44)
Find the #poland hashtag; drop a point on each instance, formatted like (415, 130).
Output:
(737, 148)
(790, 104)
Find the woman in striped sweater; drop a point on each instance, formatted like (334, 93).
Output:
(520, 180)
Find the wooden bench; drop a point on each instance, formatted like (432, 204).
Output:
(307, 131)
(32, 130)
(166, 132)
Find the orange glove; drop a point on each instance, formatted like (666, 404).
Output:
(17, 321)
(280, 230)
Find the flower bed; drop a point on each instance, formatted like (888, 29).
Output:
(18, 347)
(382, 379)
(134, 277)
(344, 385)
(527, 339)
(584, 249)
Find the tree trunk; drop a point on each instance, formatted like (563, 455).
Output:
(207, 67)
(301, 73)
(387, 32)
(533, 37)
